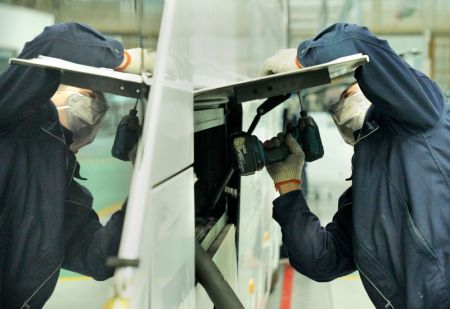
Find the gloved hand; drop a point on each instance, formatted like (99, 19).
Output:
(133, 60)
(291, 167)
(283, 61)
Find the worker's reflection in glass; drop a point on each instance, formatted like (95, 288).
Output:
(46, 216)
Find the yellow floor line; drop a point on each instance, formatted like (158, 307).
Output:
(351, 277)
(73, 279)
(108, 211)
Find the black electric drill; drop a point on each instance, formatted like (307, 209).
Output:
(251, 155)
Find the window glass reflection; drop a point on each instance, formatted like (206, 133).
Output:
(135, 24)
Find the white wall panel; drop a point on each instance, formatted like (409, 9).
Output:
(208, 41)
(172, 92)
(159, 226)
(166, 273)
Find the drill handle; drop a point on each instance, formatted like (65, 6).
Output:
(276, 154)
(281, 152)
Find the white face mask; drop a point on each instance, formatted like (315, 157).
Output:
(348, 115)
(83, 115)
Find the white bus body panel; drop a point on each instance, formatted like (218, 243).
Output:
(201, 43)
(159, 225)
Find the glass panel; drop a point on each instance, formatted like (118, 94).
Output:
(135, 25)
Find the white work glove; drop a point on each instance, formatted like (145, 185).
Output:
(134, 62)
(291, 167)
(283, 61)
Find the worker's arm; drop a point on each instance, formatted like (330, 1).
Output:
(398, 90)
(24, 88)
(320, 253)
(87, 242)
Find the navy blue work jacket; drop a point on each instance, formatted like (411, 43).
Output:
(393, 224)
(46, 220)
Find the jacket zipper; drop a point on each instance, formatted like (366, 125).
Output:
(417, 233)
(388, 303)
(54, 136)
(25, 304)
(367, 135)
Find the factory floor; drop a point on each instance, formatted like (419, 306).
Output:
(296, 291)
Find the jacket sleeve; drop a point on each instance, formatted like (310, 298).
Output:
(398, 90)
(24, 88)
(87, 242)
(320, 253)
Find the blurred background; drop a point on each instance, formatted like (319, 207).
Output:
(419, 30)
(416, 28)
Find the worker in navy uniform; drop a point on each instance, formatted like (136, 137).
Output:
(46, 216)
(393, 223)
